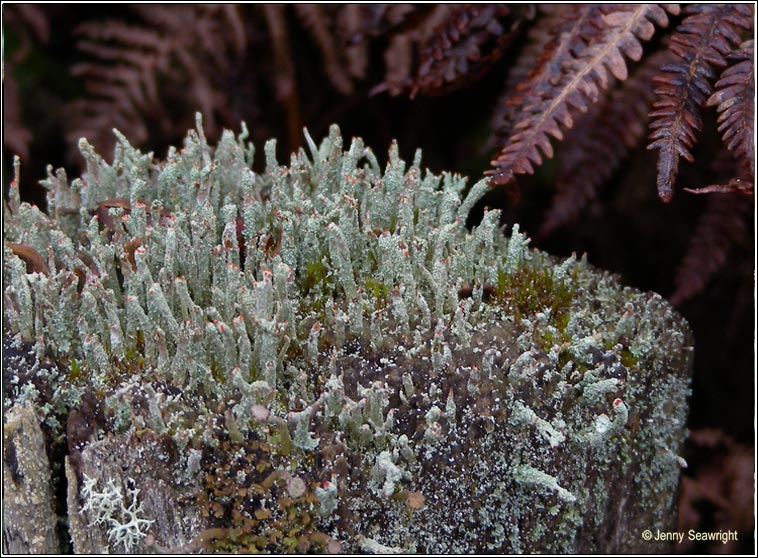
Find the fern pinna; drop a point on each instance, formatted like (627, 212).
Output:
(595, 46)
(735, 101)
(701, 42)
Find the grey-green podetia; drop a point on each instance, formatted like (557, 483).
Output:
(322, 357)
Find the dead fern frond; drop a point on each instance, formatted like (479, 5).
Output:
(219, 27)
(735, 101)
(350, 28)
(30, 23)
(414, 28)
(374, 20)
(733, 186)
(615, 33)
(469, 41)
(16, 136)
(129, 65)
(701, 42)
(597, 144)
(535, 63)
(319, 25)
(723, 224)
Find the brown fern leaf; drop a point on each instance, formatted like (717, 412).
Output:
(732, 174)
(120, 80)
(504, 113)
(341, 33)
(555, 32)
(617, 33)
(16, 136)
(735, 102)
(470, 40)
(31, 25)
(219, 27)
(203, 36)
(398, 58)
(373, 20)
(131, 68)
(723, 224)
(319, 24)
(701, 42)
(415, 28)
(743, 186)
(350, 29)
(34, 17)
(602, 137)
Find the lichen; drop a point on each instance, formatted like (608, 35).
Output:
(352, 364)
(108, 506)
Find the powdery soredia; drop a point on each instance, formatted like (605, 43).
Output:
(323, 358)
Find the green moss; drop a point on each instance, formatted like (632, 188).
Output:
(74, 371)
(253, 504)
(379, 291)
(628, 359)
(530, 290)
(315, 276)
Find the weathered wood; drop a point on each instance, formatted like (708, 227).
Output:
(167, 494)
(29, 520)
(576, 490)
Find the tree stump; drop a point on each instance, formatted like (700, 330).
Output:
(323, 358)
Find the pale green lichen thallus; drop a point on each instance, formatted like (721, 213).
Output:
(357, 369)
